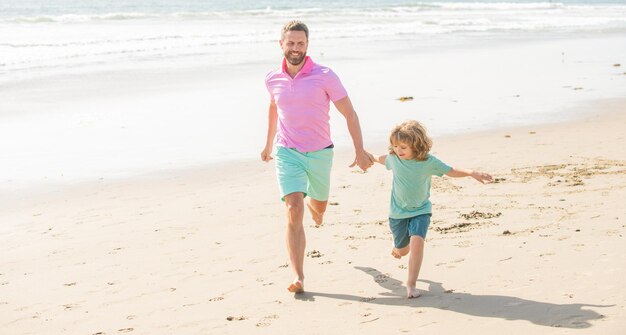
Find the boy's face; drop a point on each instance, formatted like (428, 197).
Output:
(403, 151)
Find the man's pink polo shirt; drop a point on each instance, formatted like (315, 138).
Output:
(303, 105)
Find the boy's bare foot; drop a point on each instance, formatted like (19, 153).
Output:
(412, 292)
(317, 217)
(394, 253)
(296, 287)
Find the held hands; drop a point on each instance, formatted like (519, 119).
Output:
(482, 177)
(364, 160)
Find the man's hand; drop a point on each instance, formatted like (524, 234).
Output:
(266, 154)
(363, 159)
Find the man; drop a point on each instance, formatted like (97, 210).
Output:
(300, 95)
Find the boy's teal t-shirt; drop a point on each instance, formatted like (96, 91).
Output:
(410, 193)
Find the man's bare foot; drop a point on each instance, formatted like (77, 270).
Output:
(296, 287)
(317, 217)
(394, 253)
(412, 292)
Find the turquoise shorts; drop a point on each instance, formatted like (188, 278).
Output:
(306, 172)
(403, 229)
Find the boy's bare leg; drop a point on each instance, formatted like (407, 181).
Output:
(317, 209)
(296, 240)
(415, 263)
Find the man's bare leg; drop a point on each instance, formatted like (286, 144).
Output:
(317, 209)
(415, 263)
(296, 240)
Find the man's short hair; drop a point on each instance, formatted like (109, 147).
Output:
(295, 26)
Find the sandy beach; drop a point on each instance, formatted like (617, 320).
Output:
(133, 199)
(202, 252)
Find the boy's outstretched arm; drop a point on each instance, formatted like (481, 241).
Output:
(480, 176)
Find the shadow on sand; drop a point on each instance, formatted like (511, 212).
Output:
(491, 306)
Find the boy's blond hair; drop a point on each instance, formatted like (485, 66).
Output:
(413, 134)
(294, 26)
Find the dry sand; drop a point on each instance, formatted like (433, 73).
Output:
(541, 251)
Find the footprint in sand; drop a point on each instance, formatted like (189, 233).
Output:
(314, 254)
(464, 244)
(236, 318)
(114, 251)
(267, 321)
(69, 307)
(613, 232)
(381, 278)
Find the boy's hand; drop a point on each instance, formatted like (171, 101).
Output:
(378, 159)
(482, 177)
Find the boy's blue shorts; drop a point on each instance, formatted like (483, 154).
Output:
(403, 229)
(306, 172)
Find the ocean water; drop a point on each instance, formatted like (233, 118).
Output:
(48, 37)
(101, 89)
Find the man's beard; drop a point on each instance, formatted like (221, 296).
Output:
(295, 59)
